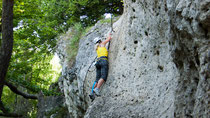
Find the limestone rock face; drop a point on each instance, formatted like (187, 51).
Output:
(159, 62)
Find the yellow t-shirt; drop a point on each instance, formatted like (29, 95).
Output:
(102, 51)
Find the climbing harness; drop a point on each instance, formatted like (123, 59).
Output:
(103, 57)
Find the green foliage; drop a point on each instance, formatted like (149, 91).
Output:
(14, 103)
(37, 25)
(94, 9)
(8, 97)
(34, 42)
(30, 67)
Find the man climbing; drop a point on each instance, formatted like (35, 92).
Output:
(101, 65)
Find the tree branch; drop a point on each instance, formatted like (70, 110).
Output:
(15, 90)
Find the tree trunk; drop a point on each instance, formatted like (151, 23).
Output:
(7, 40)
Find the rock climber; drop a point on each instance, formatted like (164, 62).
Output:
(101, 65)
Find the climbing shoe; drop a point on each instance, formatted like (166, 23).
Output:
(96, 91)
(92, 97)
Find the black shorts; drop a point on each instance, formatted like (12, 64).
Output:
(101, 69)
